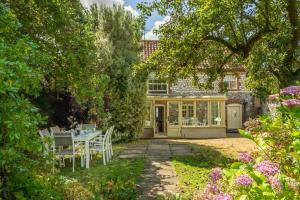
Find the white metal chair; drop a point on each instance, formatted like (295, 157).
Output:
(110, 149)
(65, 140)
(101, 145)
(55, 129)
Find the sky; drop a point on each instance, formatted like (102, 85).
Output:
(152, 22)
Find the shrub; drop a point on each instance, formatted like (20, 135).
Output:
(275, 173)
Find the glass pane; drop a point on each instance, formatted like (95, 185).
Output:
(188, 114)
(216, 113)
(173, 113)
(201, 113)
(233, 84)
(157, 87)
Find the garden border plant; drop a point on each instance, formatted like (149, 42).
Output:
(275, 173)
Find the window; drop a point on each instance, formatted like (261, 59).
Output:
(216, 113)
(231, 82)
(157, 87)
(201, 113)
(174, 113)
(148, 114)
(188, 114)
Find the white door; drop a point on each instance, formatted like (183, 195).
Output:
(234, 116)
(173, 119)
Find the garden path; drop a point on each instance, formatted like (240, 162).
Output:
(158, 177)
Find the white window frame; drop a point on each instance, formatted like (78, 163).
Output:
(157, 91)
(209, 122)
(228, 82)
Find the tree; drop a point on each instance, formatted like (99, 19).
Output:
(125, 96)
(63, 31)
(20, 148)
(209, 36)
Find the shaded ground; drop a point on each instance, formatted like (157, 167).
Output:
(116, 180)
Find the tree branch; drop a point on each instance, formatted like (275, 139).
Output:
(295, 39)
(252, 41)
(222, 41)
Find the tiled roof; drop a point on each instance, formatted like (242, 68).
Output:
(149, 46)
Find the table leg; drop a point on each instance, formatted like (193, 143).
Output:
(87, 154)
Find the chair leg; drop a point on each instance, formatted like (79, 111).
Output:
(73, 163)
(103, 155)
(107, 154)
(82, 160)
(111, 149)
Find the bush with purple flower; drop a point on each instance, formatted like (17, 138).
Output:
(215, 174)
(267, 168)
(244, 180)
(275, 184)
(245, 157)
(291, 102)
(275, 173)
(291, 90)
(223, 196)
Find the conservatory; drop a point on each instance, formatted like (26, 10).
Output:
(185, 117)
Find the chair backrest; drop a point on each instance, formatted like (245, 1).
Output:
(91, 127)
(111, 132)
(55, 129)
(107, 136)
(63, 139)
(44, 133)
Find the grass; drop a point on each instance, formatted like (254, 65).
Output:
(116, 180)
(192, 171)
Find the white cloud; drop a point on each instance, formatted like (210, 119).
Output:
(151, 35)
(132, 10)
(88, 3)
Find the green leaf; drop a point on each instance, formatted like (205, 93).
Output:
(246, 134)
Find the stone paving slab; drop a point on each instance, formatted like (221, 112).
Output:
(134, 151)
(125, 156)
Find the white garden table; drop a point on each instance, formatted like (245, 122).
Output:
(86, 138)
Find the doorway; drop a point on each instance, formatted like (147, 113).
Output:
(160, 119)
(234, 116)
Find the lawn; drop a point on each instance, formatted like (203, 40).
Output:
(115, 181)
(192, 171)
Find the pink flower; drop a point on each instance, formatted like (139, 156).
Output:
(215, 174)
(291, 102)
(267, 168)
(275, 184)
(212, 189)
(223, 196)
(291, 90)
(244, 180)
(245, 157)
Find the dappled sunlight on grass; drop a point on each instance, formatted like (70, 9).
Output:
(116, 180)
(192, 171)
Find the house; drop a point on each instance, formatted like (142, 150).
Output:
(182, 110)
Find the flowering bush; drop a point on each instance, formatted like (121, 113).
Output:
(275, 172)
